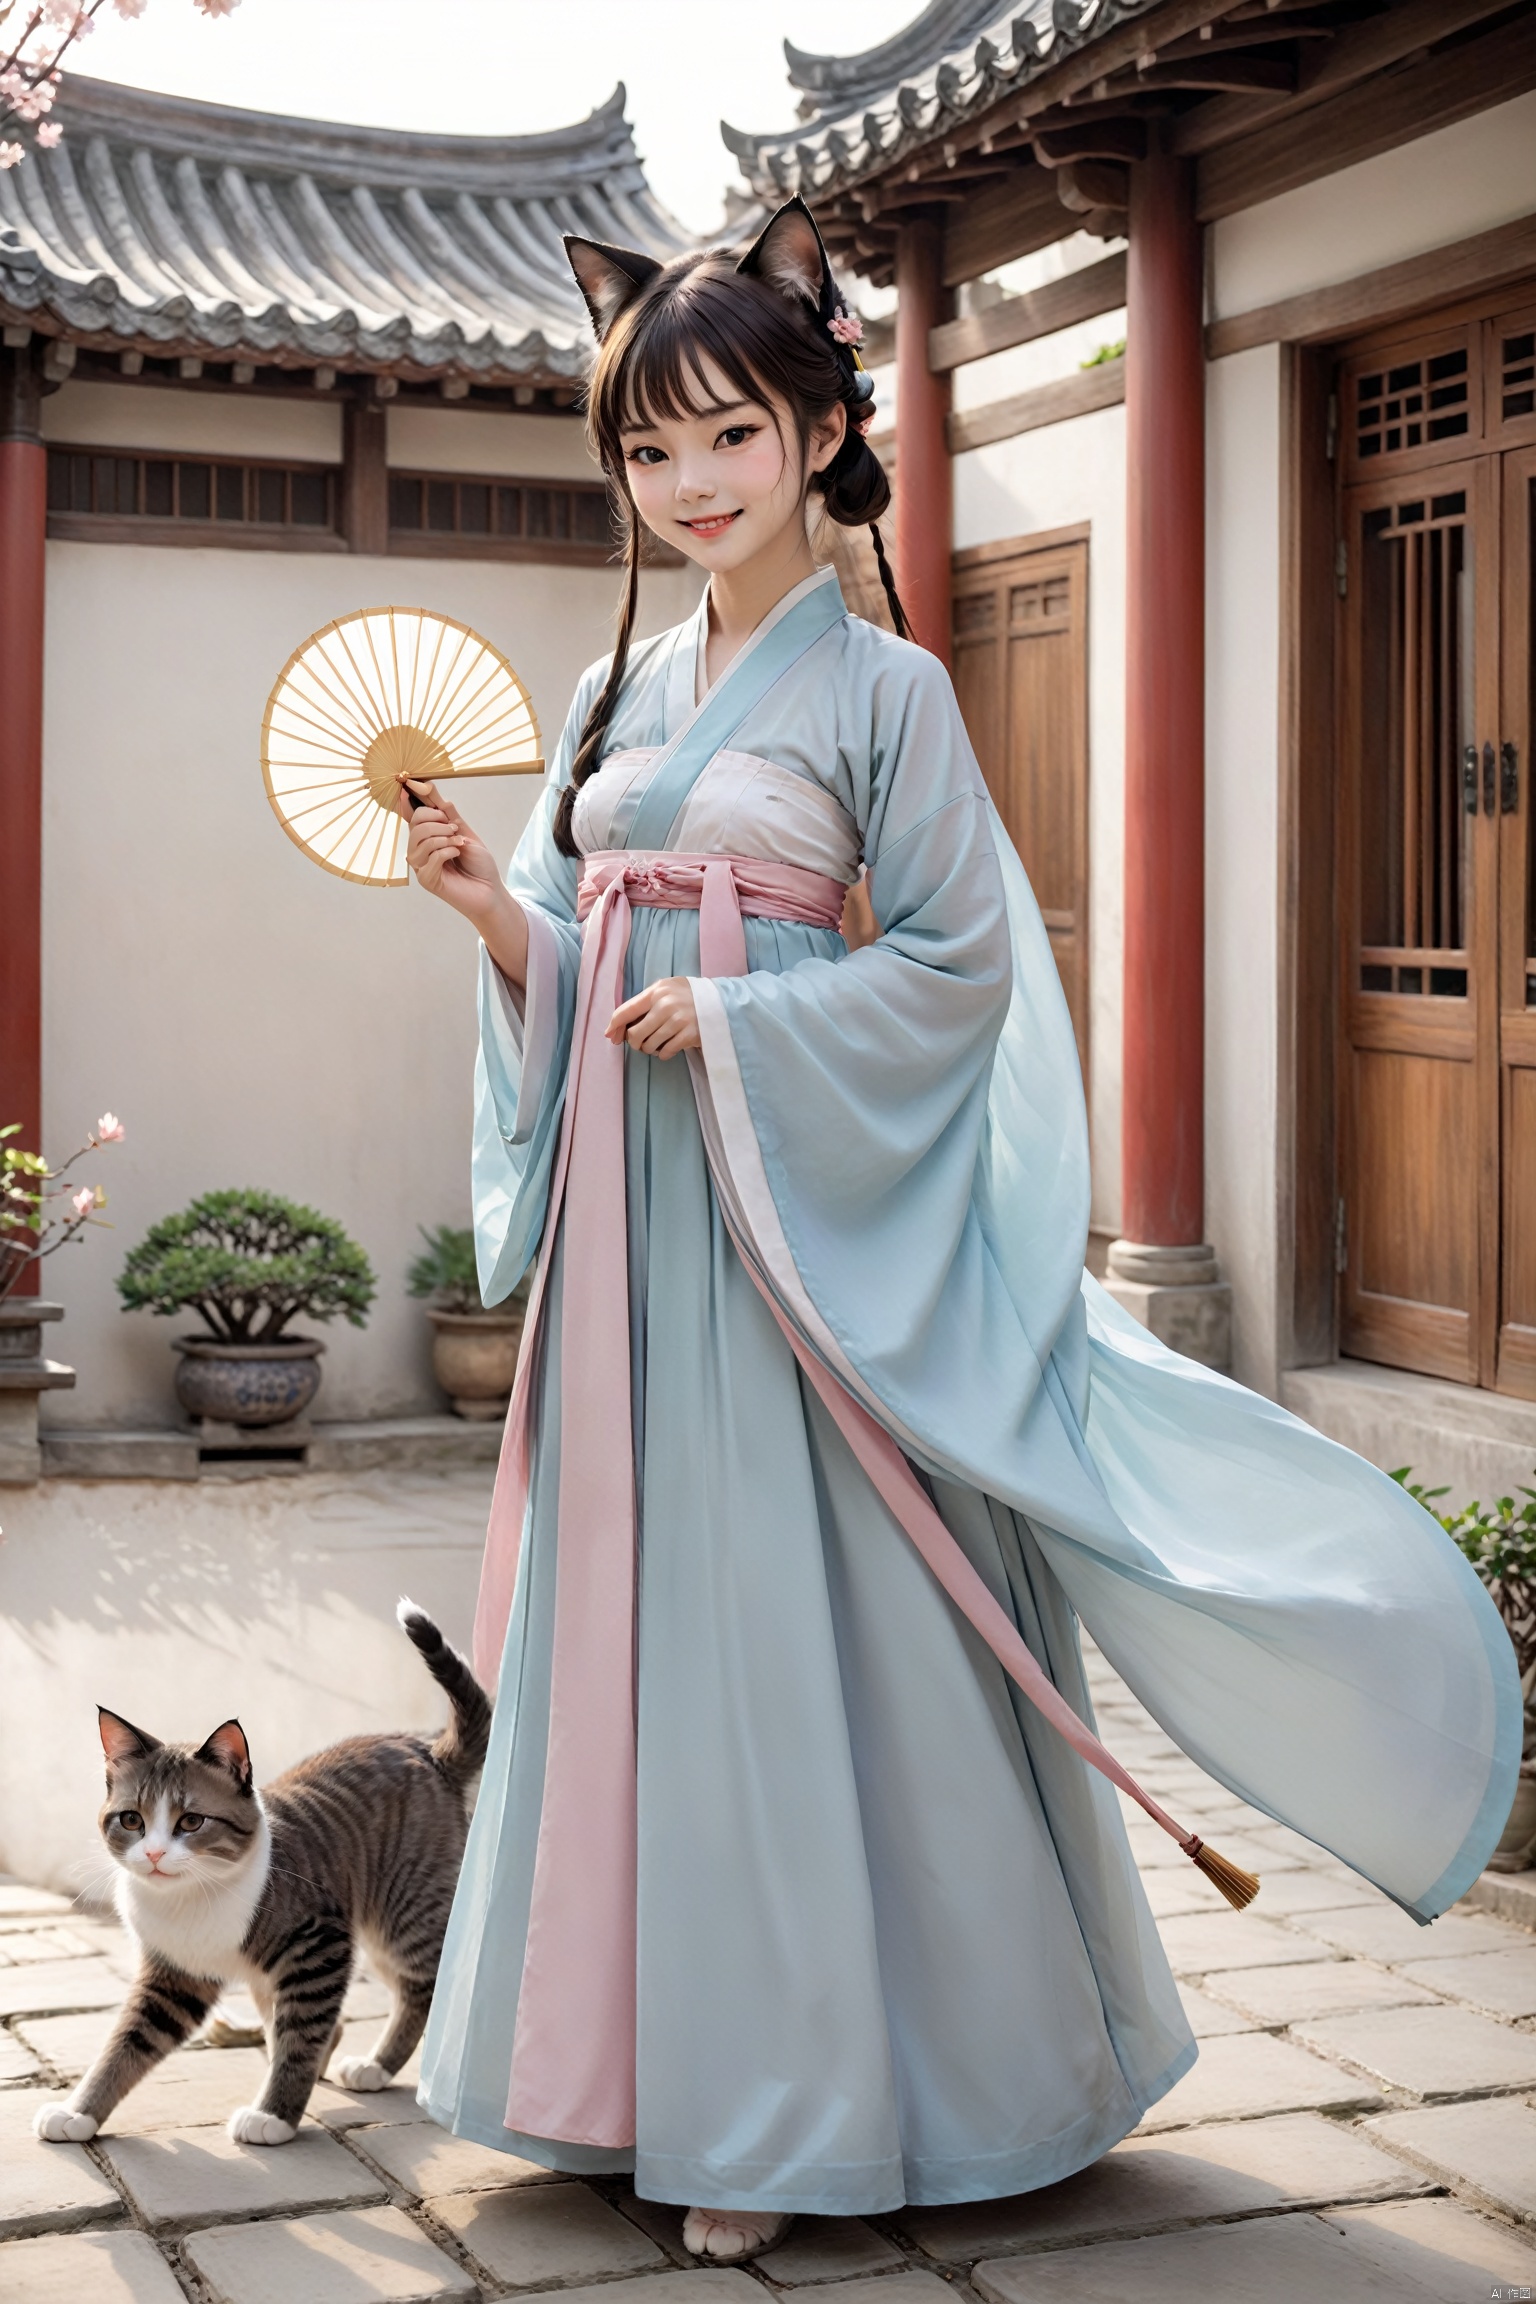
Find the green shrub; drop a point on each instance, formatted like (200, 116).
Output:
(1500, 1541)
(248, 1263)
(446, 1271)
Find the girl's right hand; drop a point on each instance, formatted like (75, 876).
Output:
(454, 863)
(450, 859)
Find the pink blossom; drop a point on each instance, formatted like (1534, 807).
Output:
(11, 153)
(846, 328)
(109, 1129)
(129, 8)
(83, 1201)
(48, 134)
(217, 7)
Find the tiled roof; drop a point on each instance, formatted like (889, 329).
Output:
(958, 57)
(178, 227)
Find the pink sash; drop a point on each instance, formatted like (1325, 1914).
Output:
(573, 2055)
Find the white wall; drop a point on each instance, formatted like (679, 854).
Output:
(1055, 478)
(1445, 187)
(253, 1019)
(152, 416)
(1242, 705)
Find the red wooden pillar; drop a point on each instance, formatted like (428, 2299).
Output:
(23, 528)
(924, 489)
(1161, 1268)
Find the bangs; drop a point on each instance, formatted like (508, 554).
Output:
(659, 370)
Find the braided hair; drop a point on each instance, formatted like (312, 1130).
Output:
(773, 323)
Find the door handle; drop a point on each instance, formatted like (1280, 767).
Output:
(1469, 779)
(1488, 765)
(1509, 778)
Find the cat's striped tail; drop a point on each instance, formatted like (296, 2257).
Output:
(460, 1750)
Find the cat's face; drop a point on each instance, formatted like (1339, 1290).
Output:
(174, 1816)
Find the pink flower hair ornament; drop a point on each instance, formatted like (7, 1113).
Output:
(846, 327)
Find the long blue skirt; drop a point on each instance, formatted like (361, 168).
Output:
(892, 1942)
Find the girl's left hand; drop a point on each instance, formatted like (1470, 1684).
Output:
(660, 1021)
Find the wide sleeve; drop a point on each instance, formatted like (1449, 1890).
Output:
(898, 1141)
(525, 1039)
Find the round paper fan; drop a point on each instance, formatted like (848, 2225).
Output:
(375, 693)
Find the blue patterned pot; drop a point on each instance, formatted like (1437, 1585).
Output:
(247, 1383)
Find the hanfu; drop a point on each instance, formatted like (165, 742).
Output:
(780, 1892)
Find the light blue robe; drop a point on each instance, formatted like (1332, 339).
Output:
(892, 1943)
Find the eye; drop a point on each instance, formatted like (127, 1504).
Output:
(190, 1822)
(131, 1820)
(647, 455)
(736, 435)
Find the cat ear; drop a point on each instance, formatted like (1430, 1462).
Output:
(227, 1748)
(120, 1740)
(608, 277)
(788, 253)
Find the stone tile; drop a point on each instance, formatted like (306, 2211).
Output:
(191, 2176)
(914, 2287)
(1439, 2249)
(545, 2236)
(47, 2187)
(828, 2248)
(1385, 1932)
(1250, 2073)
(1318, 1988)
(1306, 1890)
(367, 1998)
(1432, 2051)
(423, 2159)
(1242, 2168)
(1172, 1893)
(37, 1988)
(361, 2256)
(1488, 2149)
(23, 1947)
(1208, 2019)
(340, 2108)
(107, 2267)
(68, 2045)
(19, 1902)
(701, 2287)
(1202, 1943)
(16, 2060)
(1503, 1983)
(1154, 1851)
(193, 2088)
(1268, 2260)
(358, 2036)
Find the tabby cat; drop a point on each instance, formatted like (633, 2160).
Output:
(220, 1883)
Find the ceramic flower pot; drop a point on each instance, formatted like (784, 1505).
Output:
(1516, 1851)
(474, 1358)
(252, 1384)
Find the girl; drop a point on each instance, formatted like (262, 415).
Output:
(796, 1880)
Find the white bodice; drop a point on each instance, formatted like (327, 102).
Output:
(740, 806)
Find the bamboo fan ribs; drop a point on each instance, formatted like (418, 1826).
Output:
(372, 696)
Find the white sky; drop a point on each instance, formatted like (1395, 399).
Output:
(487, 67)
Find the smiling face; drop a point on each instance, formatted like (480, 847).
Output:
(724, 479)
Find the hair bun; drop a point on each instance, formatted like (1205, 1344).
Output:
(854, 484)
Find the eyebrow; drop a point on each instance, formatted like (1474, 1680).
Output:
(714, 408)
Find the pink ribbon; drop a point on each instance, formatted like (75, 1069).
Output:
(573, 2054)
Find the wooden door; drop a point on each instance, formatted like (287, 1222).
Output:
(1438, 891)
(1021, 674)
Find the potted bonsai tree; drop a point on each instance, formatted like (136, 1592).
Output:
(248, 1263)
(474, 1347)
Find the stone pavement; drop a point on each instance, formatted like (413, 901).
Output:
(1360, 2127)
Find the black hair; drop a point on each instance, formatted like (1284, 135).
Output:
(771, 346)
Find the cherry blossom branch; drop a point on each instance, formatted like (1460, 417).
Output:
(31, 74)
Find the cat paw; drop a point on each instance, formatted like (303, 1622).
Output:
(57, 2124)
(361, 2075)
(250, 2125)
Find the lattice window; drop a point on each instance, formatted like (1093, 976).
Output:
(1413, 403)
(1048, 601)
(974, 612)
(1517, 375)
(1415, 739)
(105, 484)
(476, 509)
